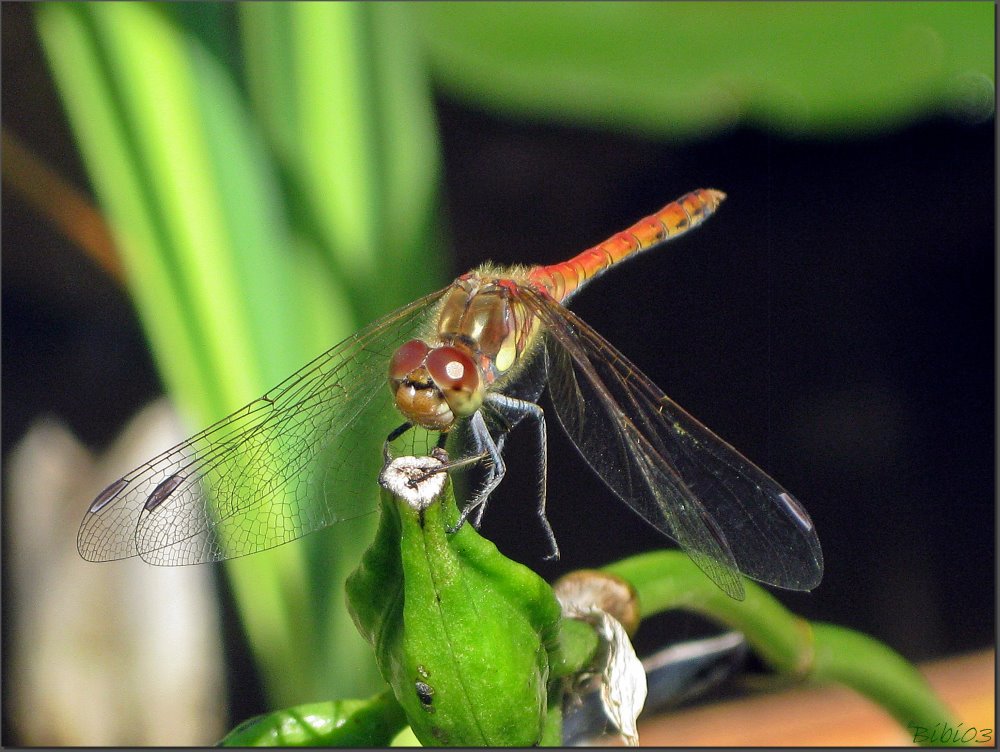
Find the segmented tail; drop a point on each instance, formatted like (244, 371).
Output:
(564, 279)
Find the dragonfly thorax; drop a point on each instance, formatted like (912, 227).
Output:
(435, 386)
(482, 314)
(481, 334)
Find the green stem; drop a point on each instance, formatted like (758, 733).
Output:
(789, 644)
(880, 674)
(667, 580)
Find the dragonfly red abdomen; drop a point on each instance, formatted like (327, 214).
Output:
(565, 279)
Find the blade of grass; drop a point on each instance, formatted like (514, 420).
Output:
(194, 270)
(225, 272)
(109, 151)
(324, 81)
(153, 70)
(333, 80)
(407, 140)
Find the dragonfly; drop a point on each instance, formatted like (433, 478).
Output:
(467, 363)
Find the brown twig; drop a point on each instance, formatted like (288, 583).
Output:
(55, 199)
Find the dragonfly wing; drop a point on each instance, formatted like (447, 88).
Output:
(292, 462)
(678, 475)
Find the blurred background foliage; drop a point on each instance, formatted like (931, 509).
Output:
(688, 69)
(272, 175)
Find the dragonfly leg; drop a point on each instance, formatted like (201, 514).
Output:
(543, 471)
(486, 448)
(480, 506)
(393, 435)
(518, 408)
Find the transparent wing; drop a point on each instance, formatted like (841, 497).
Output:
(303, 456)
(678, 475)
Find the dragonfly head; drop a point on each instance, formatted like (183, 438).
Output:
(433, 387)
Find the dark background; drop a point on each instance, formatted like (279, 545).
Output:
(834, 321)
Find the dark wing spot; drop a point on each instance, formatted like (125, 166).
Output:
(798, 512)
(107, 495)
(162, 492)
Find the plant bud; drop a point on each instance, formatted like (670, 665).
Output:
(462, 634)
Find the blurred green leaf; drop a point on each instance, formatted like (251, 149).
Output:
(689, 68)
(252, 245)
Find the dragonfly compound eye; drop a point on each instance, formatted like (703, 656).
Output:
(457, 377)
(415, 391)
(408, 357)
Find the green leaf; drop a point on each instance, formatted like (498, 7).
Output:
(344, 723)
(243, 261)
(689, 68)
